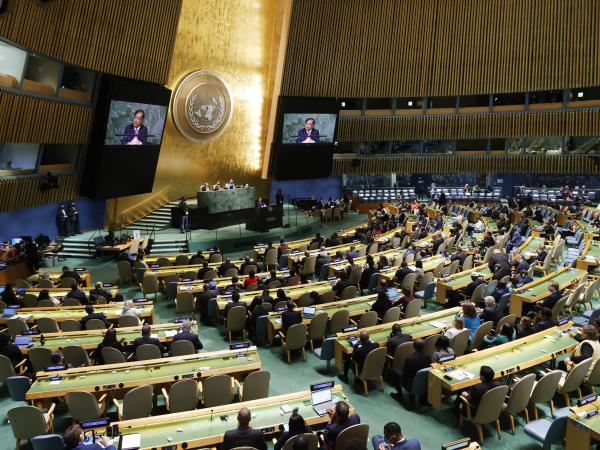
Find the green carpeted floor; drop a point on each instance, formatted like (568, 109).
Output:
(431, 426)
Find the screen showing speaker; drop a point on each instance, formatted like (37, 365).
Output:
(132, 123)
(308, 128)
(127, 132)
(304, 137)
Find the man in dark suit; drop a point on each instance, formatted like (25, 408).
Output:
(186, 334)
(66, 272)
(204, 269)
(402, 272)
(555, 295)
(244, 435)
(202, 300)
(546, 322)
(226, 265)
(136, 133)
(476, 393)
(235, 301)
(290, 317)
(404, 378)
(491, 311)
(89, 309)
(318, 239)
(147, 338)
(260, 308)
(396, 338)
(309, 134)
(359, 352)
(99, 291)
(342, 284)
(77, 295)
(382, 304)
(340, 419)
(498, 258)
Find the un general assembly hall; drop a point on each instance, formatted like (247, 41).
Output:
(299, 224)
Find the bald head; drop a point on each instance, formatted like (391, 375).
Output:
(364, 336)
(244, 417)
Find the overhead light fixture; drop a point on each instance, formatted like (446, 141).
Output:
(409, 103)
(580, 94)
(343, 104)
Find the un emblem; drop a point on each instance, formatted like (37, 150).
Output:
(202, 106)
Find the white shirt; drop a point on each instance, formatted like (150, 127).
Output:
(136, 130)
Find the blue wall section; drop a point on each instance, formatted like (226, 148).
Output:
(319, 188)
(40, 219)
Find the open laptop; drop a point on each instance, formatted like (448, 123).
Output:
(9, 312)
(321, 397)
(23, 340)
(308, 312)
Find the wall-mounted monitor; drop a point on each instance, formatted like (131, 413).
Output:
(127, 132)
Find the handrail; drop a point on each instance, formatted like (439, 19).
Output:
(144, 208)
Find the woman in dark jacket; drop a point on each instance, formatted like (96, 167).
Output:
(110, 340)
(296, 426)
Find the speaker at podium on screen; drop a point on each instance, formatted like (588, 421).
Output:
(308, 128)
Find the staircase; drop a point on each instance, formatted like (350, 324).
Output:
(75, 247)
(169, 246)
(158, 219)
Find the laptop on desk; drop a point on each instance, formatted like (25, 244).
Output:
(321, 397)
(308, 312)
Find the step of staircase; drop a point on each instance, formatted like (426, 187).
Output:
(170, 246)
(76, 248)
(157, 220)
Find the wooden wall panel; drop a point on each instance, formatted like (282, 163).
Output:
(33, 119)
(456, 164)
(406, 128)
(24, 192)
(123, 37)
(398, 48)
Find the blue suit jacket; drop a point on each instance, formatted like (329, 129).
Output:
(129, 134)
(408, 444)
(188, 336)
(303, 134)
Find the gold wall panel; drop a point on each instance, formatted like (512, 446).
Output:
(456, 163)
(130, 38)
(397, 48)
(237, 39)
(472, 126)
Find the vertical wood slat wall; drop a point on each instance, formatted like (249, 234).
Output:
(22, 192)
(123, 37)
(534, 124)
(406, 48)
(457, 163)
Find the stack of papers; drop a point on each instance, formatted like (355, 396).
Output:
(461, 375)
(130, 441)
(437, 324)
(170, 333)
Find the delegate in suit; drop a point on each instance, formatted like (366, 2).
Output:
(308, 134)
(136, 133)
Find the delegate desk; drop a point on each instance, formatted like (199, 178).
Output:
(206, 427)
(590, 230)
(429, 264)
(590, 256)
(417, 327)
(505, 359)
(538, 289)
(356, 307)
(54, 276)
(120, 248)
(458, 281)
(581, 429)
(530, 247)
(89, 339)
(293, 292)
(198, 285)
(153, 259)
(112, 311)
(61, 293)
(127, 375)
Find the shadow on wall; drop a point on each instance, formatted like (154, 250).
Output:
(41, 219)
